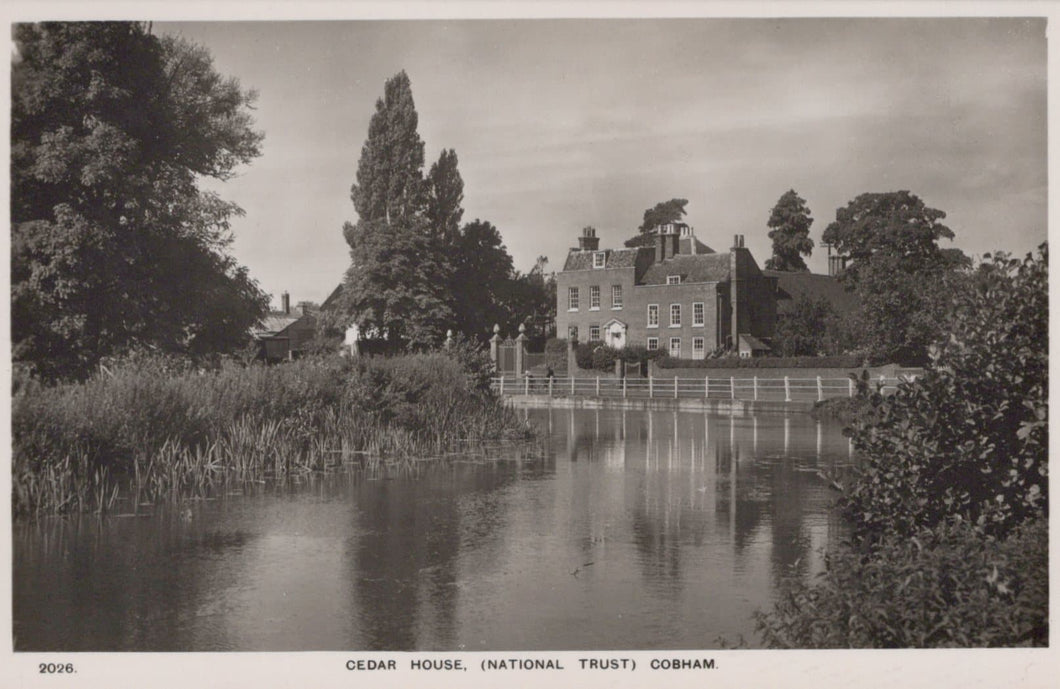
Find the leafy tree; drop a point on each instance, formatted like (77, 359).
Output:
(398, 282)
(482, 267)
(390, 182)
(789, 224)
(970, 438)
(896, 224)
(113, 245)
(530, 300)
(811, 328)
(660, 214)
(445, 193)
(901, 275)
(393, 287)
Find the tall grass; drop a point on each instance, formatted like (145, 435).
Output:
(157, 433)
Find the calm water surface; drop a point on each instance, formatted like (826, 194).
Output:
(637, 530)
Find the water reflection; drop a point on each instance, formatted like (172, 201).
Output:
(637, 530)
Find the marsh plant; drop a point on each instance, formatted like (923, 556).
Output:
(157, 428)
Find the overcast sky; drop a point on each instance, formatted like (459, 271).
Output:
(560, 124)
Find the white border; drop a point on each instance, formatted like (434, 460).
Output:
(743, 669)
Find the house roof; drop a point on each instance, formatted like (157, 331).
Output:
(753, 343)
(793, 286)
(712, 267)
(700, 248)
(616, 258)
(332, 298)
(275, 323)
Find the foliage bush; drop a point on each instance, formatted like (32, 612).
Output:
(948, 586)
(970, 437)
(843, 361)
(600, 357)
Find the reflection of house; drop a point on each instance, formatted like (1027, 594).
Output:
(678, 295)
(282, 334)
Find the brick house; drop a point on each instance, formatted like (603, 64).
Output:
(678, 295)
(283, 334)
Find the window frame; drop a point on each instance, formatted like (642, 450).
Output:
(594, 329)
(700, 350)
(599, 260)
(616, 305)
(653, 308)
(699, 314)
(573, 298)
(653, 344)
(594, 297)
(673, 351)
(675, 323)
(673, 279)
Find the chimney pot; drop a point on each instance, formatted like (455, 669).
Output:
(285, 302)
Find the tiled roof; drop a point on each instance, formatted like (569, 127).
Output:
(697, 268)
(753, 343)
(276, 323)
(701, 248)
(792, 286)
(616, 258)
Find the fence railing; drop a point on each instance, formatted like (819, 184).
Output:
(786, 389)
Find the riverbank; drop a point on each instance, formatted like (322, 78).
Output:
(720, 406)
(154, 428)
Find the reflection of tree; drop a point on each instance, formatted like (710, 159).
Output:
(404, 567)
(410, 535)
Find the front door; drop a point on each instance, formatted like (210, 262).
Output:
(615, 334)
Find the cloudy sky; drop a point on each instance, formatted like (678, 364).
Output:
(560, 124)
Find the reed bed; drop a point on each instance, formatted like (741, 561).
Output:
(147, 433)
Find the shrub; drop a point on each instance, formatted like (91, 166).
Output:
(970, 437)
(946, 586)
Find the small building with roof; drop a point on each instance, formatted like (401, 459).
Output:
(283, 334)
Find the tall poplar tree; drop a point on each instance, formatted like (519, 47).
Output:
(445, 194)
(398, 283)
(789, 224)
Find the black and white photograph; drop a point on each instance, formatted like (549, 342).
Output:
(502, 343)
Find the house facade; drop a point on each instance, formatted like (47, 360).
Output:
(676, 295)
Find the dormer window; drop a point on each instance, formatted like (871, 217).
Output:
(599, 259)
(673, 279)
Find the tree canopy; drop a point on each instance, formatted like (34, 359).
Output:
(903, 279)
(445, 194)
(661, 213)
(789, 224)
(114, 245)
(896, 224)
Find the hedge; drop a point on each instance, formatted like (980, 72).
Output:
(843, 361)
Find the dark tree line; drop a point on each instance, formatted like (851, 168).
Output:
(113, 244)
(904, 281)
(415, 271)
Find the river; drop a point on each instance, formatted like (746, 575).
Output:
(635, 530)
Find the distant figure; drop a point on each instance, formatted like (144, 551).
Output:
(549, 372)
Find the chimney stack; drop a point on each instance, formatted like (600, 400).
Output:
(588, 241)
(285, 303)
(737, 241)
